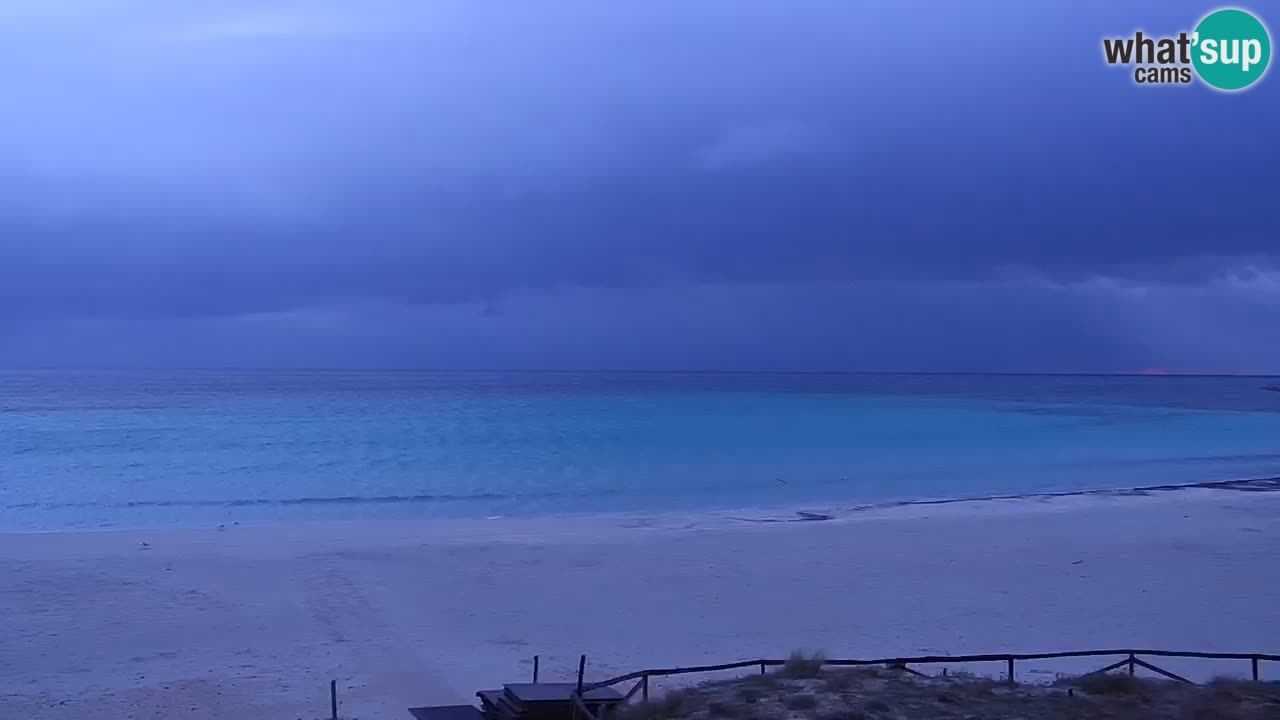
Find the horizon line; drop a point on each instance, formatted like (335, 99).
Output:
(598, 371)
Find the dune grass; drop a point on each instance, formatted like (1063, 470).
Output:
(802, 689)
(802, 665)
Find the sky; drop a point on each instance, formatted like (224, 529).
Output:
(870, 185)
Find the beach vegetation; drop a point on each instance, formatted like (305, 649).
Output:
(728, 709)
(672, 704)
(803, 701)
(801, 665)
(1109, 684)
(750, 695)
(879, 693)
(841, 680)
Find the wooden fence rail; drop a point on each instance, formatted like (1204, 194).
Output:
(1130, 659)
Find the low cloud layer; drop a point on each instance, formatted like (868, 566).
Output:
(888, 185)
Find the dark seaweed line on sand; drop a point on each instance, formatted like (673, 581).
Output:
(1258, 485)
(1271, 484)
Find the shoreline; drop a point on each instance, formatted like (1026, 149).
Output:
(806, 512)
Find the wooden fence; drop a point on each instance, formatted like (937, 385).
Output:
(1130, 659)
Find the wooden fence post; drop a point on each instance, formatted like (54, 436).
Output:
(1011, 680)
(1130, 663)
(644, 689)
(535, 669)
(1255, 669)
(761, 668)
(333, 699)
(582, 667)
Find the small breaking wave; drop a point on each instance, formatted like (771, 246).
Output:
(302, 501)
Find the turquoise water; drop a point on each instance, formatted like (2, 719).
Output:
(126, 449)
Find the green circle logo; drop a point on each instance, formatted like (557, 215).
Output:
(1232, 49)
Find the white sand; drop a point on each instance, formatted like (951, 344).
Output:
(252, 623)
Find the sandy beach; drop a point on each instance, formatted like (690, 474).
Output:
(253, 622)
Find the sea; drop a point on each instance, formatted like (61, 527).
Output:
(128, 449)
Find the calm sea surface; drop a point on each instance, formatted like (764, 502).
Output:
(128, 449)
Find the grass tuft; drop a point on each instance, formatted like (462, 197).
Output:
(1111, 684)
(803, 667)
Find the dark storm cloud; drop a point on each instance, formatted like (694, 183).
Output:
(1014, 326)
(221, 161)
